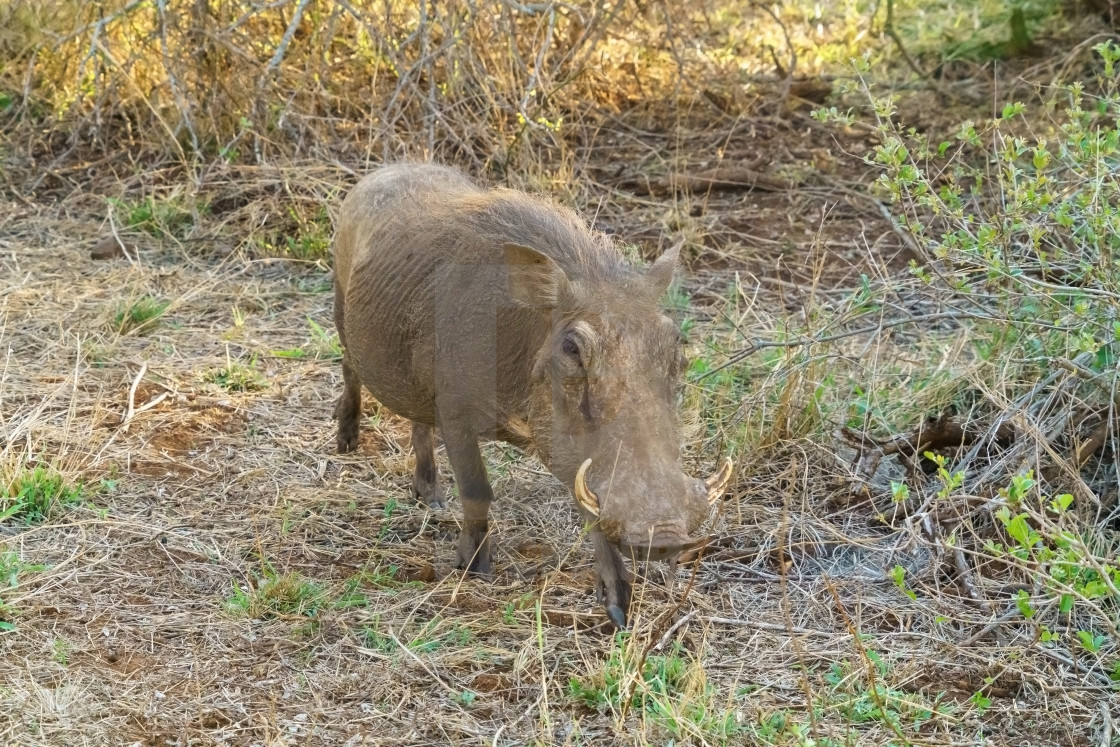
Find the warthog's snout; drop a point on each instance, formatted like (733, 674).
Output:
(657, 542)
(650, 537)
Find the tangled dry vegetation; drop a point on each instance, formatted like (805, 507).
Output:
(912, 358)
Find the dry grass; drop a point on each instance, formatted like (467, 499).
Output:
(227, 578)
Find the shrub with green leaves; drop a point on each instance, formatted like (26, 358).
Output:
(1016, 222)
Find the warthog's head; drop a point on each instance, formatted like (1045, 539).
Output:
(603, 402)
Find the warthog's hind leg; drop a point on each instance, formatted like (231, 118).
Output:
(348, 410)
(425, 480)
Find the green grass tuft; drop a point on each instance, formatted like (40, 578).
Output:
(141, 315)
(236, 377)
(33, 495)
(670, 690)
(275, 595)
(168, 218)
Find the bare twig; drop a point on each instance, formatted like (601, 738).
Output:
(774, 627)
(758, 345)
(181, 100)
(447, 688)
(792, 67)
(888, 27)
(131, 411)
(673, 629)
(282, 47)
(964, 573)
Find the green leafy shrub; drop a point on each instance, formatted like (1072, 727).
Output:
(1017, 228)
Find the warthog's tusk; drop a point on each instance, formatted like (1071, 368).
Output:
(717, 483)
(584, 496)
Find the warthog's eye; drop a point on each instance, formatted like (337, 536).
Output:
(570, 347)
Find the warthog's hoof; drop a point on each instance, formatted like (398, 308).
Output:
(347, 414)
(429, 492)
(474, 551)
(347, 436)
(615, 597)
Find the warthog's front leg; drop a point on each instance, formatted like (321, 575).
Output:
(612, 579)
(475, 493)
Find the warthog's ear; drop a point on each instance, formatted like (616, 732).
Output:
(534, 279)
(660, 273)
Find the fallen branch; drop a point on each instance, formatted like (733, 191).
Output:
(1088, 447)
(131, 411)
(932, 435)
(719, 179)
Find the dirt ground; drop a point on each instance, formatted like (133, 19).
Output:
(227, 578)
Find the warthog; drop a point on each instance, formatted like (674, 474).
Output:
(494, 314)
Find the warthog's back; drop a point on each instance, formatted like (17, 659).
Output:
(421, 283)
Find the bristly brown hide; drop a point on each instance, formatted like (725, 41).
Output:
(495, 314)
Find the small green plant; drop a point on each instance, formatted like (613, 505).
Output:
(436, 634)
(387, 514)
(162, 219)
(863, 695)
(140, 315)
(32, 495)
(236, 377)
(381, 578)
(981, 701)
(898, 575)
(373, 638)
(769, 728)
(1091, 642)
(950, 481)
(669, 689)
(60, 651)
(11, 568)
(324, 345)
(899, 492)
(276, 594)
(678, 302)
(782, 728)
(351, 595)
(301, 237)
